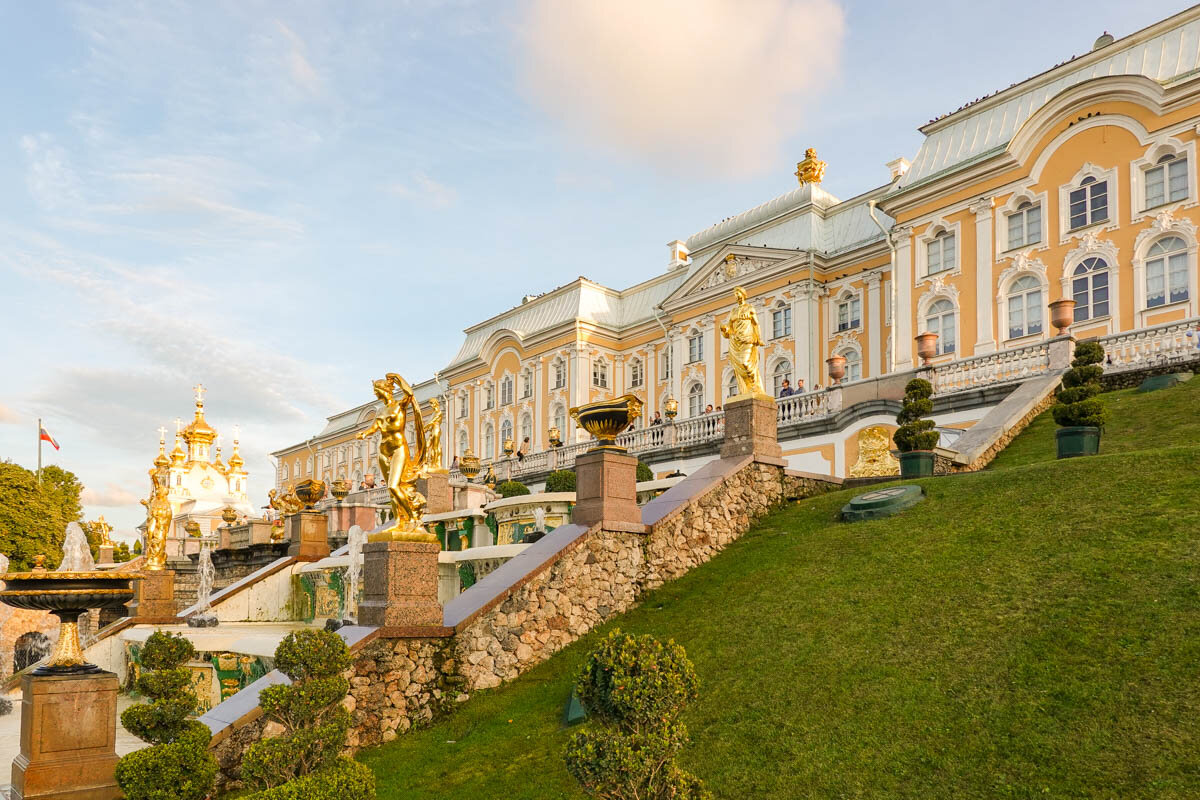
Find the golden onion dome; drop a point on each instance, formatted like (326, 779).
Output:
(178, 457)
(161, 459)
(199, 431)
(235, 460)
(219, 464)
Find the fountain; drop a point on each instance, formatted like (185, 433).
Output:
(77, 555)
(204, 616)
(357, 538)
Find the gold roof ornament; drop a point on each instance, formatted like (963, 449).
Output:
(199, 431)
(811, 169)
(161, 459)
(218, 464)
(236, 462)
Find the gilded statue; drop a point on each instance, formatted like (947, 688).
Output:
(875, 458)
(103, 532)
(433, 440)
(744, 340)
(400, 463)
(286, 503)
(158, 521)
(811, 169)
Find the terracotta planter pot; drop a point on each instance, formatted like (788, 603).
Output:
(1062, 314)
(926, 346)
(837, 368)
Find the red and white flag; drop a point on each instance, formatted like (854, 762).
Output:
(45, 436)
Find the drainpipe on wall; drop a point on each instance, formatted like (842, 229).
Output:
(887, 237)
(667, 339)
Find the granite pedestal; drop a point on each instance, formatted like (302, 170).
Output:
(606, 489)
(400, 585)
(68, 738)
(105, 556)
(439, 497)
(751, 425)
(154, 595)
(308, 532)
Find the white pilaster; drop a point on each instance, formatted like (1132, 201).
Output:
(985, 341)
(712, 349)
(873, 319)
(903, 317)
(801, 332)
(676, 344)
(540, 425)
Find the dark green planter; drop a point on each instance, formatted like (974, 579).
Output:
(1079, 440)
(916, 464)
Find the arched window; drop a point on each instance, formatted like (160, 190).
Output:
(1024, 307)
(1088, 204)
(781, 373)
(940, 320)
(296, 470)
(696, 399)
(1025, 225)
(731, 389)
(1166, 272)
(308, 470)
(489, 442)
(1089, 289)
(462, 443)
(600, 373)
(559, 419)
(283, 472)
(505, 431)
(357, 476)
(853, 364)
(506, 390)
(1167, 181)
(526, 429)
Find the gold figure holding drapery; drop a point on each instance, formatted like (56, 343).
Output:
(744, 340)
(158, 520)
(875, 459)
(399, 463)
(433, 440)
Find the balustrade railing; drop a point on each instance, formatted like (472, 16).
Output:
(1002, 367)
(809, 405)
(1162, 344)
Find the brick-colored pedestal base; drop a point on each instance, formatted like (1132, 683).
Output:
(606, 489)
(439, 497)
(308, 532)
(344, 516)
(154, 595)
(68, 738)
(750, 429)
(106, 554)
(400, 585)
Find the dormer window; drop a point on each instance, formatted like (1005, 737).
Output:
(1088, 203)
(940, 253)
(1167, 181)
(1025, 225)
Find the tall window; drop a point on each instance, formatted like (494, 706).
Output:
(781, 322)
(1088, 203)
(526, 429)
(1167, 181)
(296, 470)
(600, 373)
(462, 405)
(940, 320)
(853, 364)
(489, 396)
(849, 313)
(781, 373)
(731, 389)
(666, 361)
(1025, 225)
(636, 373)
(695, 400)
(505, 432)
(560, 419)
(489, 442)
(527, 383)
(1166, 272)
(940, 253)
(506, 391)
(462, 443)
(695, 348)
(1089, 289)
(1024, 307)
(560, 374)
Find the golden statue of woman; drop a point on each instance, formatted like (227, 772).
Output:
(433, 440)
(399, 463)
(744, 340)
(158, 522)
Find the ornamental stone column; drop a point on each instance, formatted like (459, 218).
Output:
(873, 319)
(902, 315)
(985, 341)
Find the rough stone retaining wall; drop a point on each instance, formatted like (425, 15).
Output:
(1133, 378)
(1005, 438)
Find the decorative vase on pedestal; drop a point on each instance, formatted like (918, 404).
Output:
(1062, 314)
(837, 368)
(926, 346)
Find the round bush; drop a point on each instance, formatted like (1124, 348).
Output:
(181, 770)
(343, 780)
(644, 473)
(511, 489)
(311, 653)
(166, 651)
(561, 480)
(636, 682)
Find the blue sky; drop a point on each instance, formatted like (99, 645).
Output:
(284, 200)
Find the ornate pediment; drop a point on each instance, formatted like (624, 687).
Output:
(730, 268)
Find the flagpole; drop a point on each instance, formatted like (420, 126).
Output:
(39, 435)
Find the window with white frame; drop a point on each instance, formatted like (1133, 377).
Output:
(731, 388)
(666, 362)
(940, 319)
(636, 373)
(1089, 289)
(560, 374)
(505, 432)
(695, 344)
(1167, 181)
(1166, 272)
(695, 399)
(1024, 307)
(462, 405)
(506, 391)
(526, 429)
(527, 383)
(940, 253)
(781, 373)
(600, 373)
(462, 443)
(283, 472)
(1088, 204)
(489, 442)
(296, 469)
(853, 364)
(781, 322)
(849, 313)
(1025, 225)
(559, 419)
(489, 396)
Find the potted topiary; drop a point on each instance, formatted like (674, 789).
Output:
(1076, 410)
(916, 438)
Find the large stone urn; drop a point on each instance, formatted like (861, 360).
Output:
(926, 346)
(605, 419)
(837, 368)
(1062, 314)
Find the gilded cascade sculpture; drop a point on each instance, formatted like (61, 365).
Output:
(875, 458)
(433, 440)
(158, 521)
(286, 503)
(744, 341)
(400, 463)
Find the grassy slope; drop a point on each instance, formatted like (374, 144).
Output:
(1030, 631)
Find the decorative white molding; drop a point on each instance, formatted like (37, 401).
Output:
(732, 268)
(1090, 244)
(846, 341)
(1021, 264)
(1162, 144)
(937, 288)
(1088, 170)
(1165, 222)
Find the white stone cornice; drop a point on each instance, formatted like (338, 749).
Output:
(982, 206)
(1021, 264)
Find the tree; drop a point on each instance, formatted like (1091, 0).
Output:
(121, 553)
(33, 519)
(644, 473)
(1076, 404)
(916, 432)
(137, 547)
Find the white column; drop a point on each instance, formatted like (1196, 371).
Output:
(617, 379)
(873, 319)
(902, 327)
(759, 304)
(476, 405)
(677, 358)
(801, 329)
(712, 350)
(985, 341)
(650, 376)
(540, 426)
(581, 381)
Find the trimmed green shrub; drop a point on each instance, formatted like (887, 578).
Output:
(304, 761)
(1076, 403)
(644, 473)
(634, 689)
(511, 489)
(915, 432)
(561, 480)
(178, 765)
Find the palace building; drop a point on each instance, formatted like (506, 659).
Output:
(1078, 183)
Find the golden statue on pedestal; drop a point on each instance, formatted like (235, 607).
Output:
(399, 463)
(158, 521)
(103, 532)
(744, 340)
(433, 440)
(875, 459)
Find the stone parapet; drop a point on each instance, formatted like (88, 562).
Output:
(400, 585)
(308, 534)
(751, 425)
(606, 489)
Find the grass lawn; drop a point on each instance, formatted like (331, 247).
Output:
(1030, 631)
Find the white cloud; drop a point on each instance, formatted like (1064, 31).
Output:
(9, 417)
(687, 85)
(51, 180)
(110, 496)
(425, 189)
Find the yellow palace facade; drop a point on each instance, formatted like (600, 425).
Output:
(1078, 183)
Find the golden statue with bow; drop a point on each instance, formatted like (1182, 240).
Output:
(744, 340)
(158, 521)
(400, 463)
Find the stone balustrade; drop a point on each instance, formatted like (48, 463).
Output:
(1161, 345)
(1007, 366)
